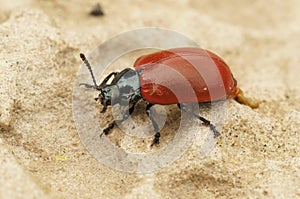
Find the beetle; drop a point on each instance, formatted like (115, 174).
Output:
(174, 76)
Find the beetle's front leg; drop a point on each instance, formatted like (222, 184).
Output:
(112, 124)
(155, 126)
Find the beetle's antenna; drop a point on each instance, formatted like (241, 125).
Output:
(88, 65)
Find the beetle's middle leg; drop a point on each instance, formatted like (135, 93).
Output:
(125, 117)
(205, 121)
(155, 126)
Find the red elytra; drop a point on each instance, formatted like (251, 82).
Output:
(184, 75)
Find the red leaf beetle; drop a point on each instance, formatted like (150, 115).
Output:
(174, 76)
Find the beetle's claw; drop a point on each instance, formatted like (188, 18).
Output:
(156, 139)
(107, 130)
(155, 142)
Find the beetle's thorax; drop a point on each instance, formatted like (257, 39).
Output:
(124, 89)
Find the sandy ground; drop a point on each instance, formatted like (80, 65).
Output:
(41, 154)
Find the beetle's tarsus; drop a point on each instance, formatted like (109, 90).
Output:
(108, 129)
(215, 131)
(156, 139)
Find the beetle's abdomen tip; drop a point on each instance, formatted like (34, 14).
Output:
(244, 100)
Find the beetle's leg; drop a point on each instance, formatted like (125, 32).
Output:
(205, 121)
(112, 124)
(155, 126)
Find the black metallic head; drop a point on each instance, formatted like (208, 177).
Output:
(124, 88)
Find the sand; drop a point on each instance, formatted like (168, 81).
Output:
(42, 154)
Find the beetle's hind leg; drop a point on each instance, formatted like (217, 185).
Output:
(155, 126)
(112, 124)
(205, 121)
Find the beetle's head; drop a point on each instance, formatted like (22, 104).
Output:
(123, 87)
(108, 95)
